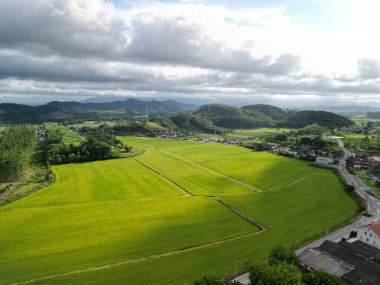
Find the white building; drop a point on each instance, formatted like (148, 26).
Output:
(323, 160)
(370, 234)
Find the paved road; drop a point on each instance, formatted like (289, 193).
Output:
(373, 207)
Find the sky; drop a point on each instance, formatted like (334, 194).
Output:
(288, 53)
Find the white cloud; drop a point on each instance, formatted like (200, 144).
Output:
(80, 47)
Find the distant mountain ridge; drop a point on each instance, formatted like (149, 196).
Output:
(52, 111)
(208, 118)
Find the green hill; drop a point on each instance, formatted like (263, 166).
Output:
(321, 118)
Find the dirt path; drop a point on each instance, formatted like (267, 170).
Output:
(293, 182)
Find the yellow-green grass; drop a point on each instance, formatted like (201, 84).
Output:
(154, 125)
(264, 131)
(260, 170)
(93, 124)
(193, 178)
(119, 179)
(297, 213)
(87, 220)
(105, 212)
(68, 135)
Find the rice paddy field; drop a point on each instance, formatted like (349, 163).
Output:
(68, 135)
(176, 212)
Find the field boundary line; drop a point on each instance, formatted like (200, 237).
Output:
(293, 182)
(210, 170)
(146, 258)
(164, 177)
(240, 214)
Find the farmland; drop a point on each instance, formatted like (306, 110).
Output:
(123, 214)
(68, 135)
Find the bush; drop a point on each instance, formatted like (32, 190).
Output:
(280, 255)
(318, 277)
(280, 274)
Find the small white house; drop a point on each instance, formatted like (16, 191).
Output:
(370, 234)
(367, 219)
(323, 160)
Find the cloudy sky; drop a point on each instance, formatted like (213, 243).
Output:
(289, 52)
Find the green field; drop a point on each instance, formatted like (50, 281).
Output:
(264, 131)
(68, 135)
(148, 220)
(260, 170)
(93, 124)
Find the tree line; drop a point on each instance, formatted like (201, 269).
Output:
(98, 145)
(16, 148)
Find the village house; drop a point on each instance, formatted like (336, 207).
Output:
(323, 160)
(370, 234)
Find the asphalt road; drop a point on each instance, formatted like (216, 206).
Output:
(373, 207)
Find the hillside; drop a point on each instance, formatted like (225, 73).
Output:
(254, 116)
(321, 118)
(58, 111)
(233, 117)
(373, 115)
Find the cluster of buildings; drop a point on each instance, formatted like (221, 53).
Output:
(233, 141)
(366, 160)
(322, 156)
(354, 260)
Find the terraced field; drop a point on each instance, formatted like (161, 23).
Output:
(178, 211)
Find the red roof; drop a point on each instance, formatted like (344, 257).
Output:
(375, 226)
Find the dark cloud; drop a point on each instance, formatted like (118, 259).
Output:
(78, 28)
(176, 41)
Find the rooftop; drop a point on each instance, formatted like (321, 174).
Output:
(375, 226)
(355, 263)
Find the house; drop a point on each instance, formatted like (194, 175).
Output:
(323, 160)
(370, 234)
(353, 262)
(367, 219)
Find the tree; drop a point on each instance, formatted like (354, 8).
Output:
(16, 147)
(280, 255)
(214, 280)
(280, 274)
(306, 140)
(318, 277)
(281, 137)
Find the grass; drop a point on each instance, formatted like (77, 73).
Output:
(297, 214)
(257, 169)
(68, 135)
(264, 131)
(372, 185)
(93, 124)
(110, 211)
(91, 217)
(119, 179)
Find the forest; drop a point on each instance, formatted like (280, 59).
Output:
(16, 144)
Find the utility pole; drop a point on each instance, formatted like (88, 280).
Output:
(146, 113)
(236, 262)
(327, 228)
